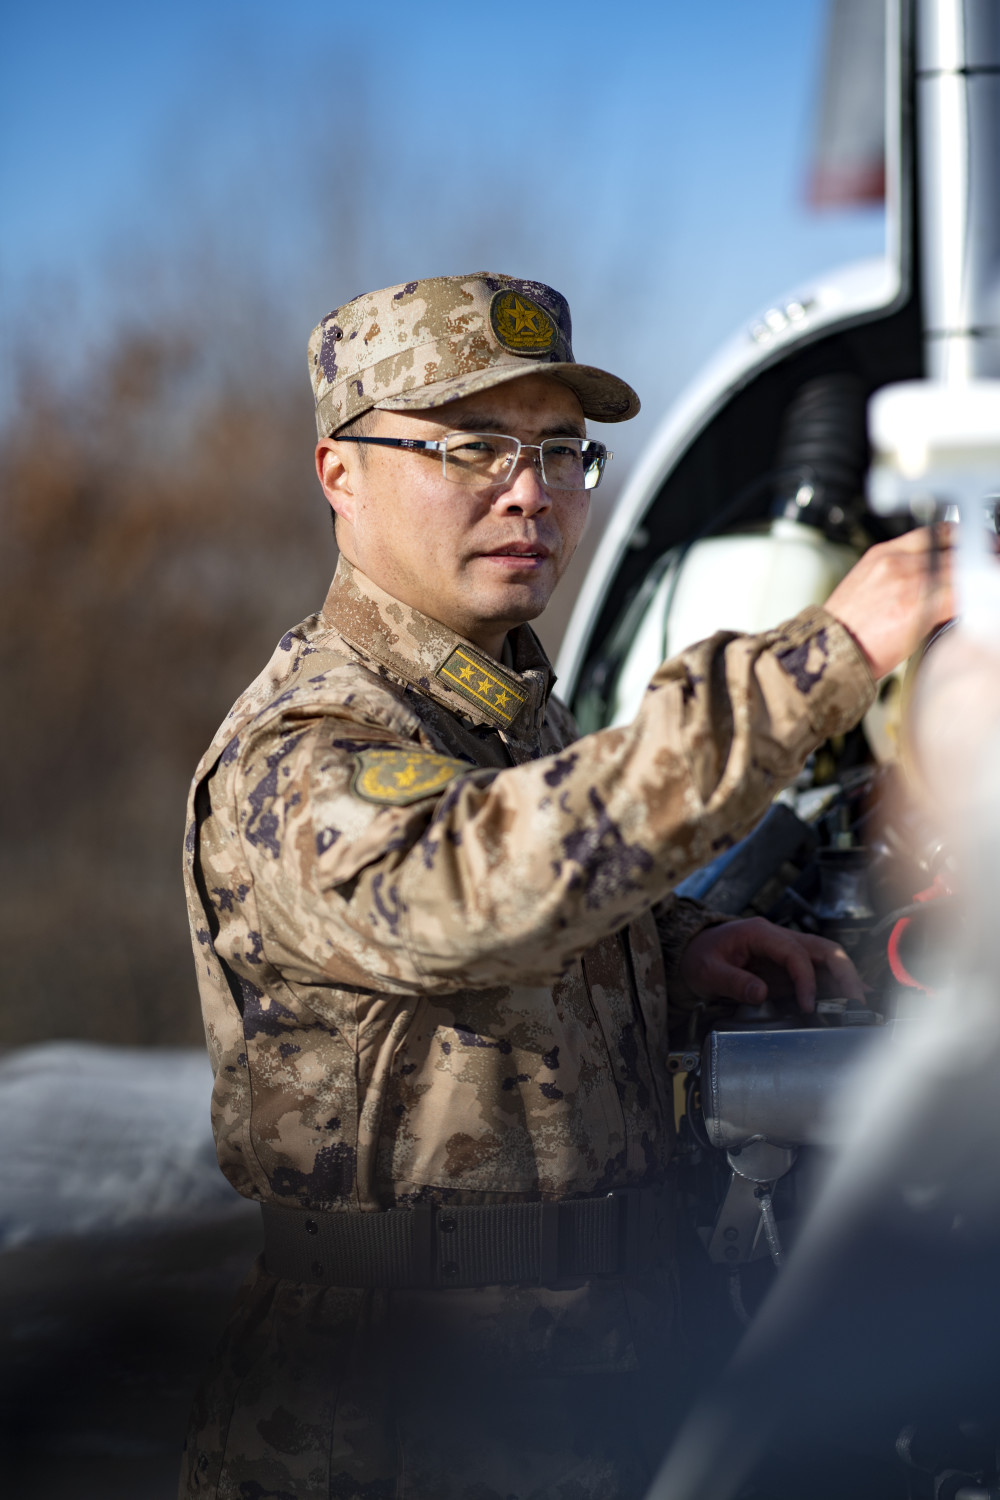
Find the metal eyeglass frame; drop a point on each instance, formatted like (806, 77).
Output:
(441, 446)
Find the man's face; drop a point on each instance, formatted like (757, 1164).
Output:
(479, 561)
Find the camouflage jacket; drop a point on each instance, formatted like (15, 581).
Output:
(422, 908)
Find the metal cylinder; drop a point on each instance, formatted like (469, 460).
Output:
(958, 118)
(777, 1085)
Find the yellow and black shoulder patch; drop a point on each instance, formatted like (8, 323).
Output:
(483, 682)
(398, 777)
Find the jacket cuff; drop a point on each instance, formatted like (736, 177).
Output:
(679, 920)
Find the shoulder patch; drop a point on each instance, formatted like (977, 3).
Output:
(482, 681)
(398, 777)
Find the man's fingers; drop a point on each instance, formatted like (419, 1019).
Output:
(729, 982)
(801, 973)
(836, 962)
(786, 949)
(938, 536)
(740, 960)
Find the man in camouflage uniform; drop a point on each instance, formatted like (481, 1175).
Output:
(434, 936)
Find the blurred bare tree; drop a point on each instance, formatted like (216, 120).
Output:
(160, 528)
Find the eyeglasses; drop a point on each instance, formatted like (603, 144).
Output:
(482, 459)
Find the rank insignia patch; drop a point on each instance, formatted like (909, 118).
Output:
(488, 687)
(520, 324)
(399, 777)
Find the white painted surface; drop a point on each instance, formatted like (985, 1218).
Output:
(743, 581)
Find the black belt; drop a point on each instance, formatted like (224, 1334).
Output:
(621, 1232)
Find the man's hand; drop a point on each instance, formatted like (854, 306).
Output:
(897, 594)
(728, 962)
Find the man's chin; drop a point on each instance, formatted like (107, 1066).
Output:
(514, 604)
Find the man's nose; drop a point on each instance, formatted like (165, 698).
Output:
(524, 494)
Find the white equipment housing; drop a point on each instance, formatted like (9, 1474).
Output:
(744, 581)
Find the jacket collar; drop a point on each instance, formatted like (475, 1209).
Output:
(434, 659)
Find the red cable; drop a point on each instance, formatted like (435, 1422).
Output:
(896, 964)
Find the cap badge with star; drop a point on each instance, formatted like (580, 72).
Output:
(520, 324)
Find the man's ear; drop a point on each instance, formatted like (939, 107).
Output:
(336, 467)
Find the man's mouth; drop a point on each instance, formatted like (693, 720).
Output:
(523, 552)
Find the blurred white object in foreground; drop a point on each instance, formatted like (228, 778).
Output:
(952, 728)
(937, 444)
(104, 1139)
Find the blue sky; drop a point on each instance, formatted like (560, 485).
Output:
(647, 159)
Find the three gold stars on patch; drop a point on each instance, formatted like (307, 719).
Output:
(488, 687)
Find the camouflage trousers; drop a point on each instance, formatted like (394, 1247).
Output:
(505, 1393)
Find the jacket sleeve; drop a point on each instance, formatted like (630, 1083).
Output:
(679, 919)
(504, 877)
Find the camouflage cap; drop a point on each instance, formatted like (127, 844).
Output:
(425, 343)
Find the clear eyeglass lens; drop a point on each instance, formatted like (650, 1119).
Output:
(479, 457)
(572, 463)
(488, 457)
